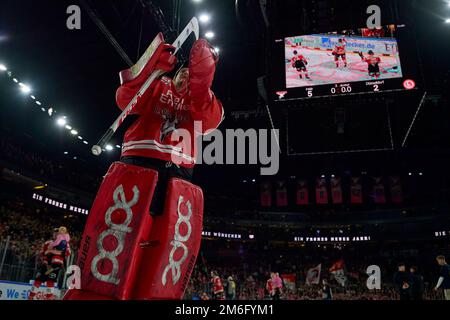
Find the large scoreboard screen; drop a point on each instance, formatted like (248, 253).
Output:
(337, 63)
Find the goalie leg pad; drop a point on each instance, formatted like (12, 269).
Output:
(118, 222)
(174, 244)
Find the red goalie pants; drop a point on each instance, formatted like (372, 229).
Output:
(127, 254)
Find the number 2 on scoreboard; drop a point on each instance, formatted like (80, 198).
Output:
(376, 88)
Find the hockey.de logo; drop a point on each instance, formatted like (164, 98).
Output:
(179, 242)
(119, 231)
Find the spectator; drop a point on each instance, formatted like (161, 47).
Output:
(230, 289)
(444, 279)
(417, 285)
(402, 282)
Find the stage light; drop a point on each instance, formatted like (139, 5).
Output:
(85, 142)
(108, 148)
(118, 147)
(209, 35)
(74, 132)
(410, 174)
(68, 127)
(66, 153)
(15, 80)
(3, 67)
(80, 137)
(61, 122)
(254, 180)
(204, 18)
(38, 103)
(24, 88)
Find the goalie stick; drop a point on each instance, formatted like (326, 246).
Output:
(192, 27)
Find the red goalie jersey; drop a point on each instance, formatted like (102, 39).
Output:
(163, 112)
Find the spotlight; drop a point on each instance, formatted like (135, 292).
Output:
(33, 97)
(68, 127)
(50, 112)
(3, 67)
(209, 35)
(74, 132)
(24, 88)
(79, 137)
(85, 142)
(197, 1)
(15, 80)
(38, 103)
(447, 21)
(108, 148)
(204, 18)
(61, 122)
(66, 152)
(118, 147)
(217, 49)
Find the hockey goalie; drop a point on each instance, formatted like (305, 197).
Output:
(143, 232)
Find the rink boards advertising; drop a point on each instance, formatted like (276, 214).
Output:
(324, 70)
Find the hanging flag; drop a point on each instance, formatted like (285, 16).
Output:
(282, 200)
(321, 191)
(302, 193)
(378, 191)
(313, 275)
(396, 190)
(356, 191)
(336, 190)
(289, 281)
(338, 272)
(266, 194)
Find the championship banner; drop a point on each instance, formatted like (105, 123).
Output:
(266, 194)
(338, 271)
(302, 193)
(313, 275)
(356, 191)
(289, 281)
(282, 199)
(378, 191)
(336, 190)
(396, 190)
(321, 191)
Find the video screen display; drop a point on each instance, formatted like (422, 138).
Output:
(351, 61)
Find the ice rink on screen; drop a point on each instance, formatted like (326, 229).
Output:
(322, 67)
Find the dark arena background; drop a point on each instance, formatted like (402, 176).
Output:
(359, 206)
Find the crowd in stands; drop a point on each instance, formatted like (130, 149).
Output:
(28, 228)
(41, 166)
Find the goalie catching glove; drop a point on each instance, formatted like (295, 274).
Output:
(202, 66)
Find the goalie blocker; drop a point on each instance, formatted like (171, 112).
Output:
(128, 254)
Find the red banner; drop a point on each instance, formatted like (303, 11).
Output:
(396, 190)
(321, 191)
(282, 200)
(302, 193)
(356, 191)
(336, 190)
(266, 194)
(378, 191)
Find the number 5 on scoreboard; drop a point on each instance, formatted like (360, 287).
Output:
(310, 93)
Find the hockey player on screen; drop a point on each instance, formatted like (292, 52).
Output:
(299, 62)
(373, 62)
(340, 51)
(143, 233)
